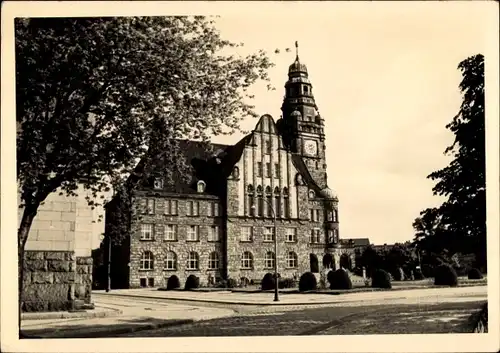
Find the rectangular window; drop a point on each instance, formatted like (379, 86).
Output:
(143, 282)
(291, 234)
(143, 205)
(151, 282)
(246, 233)
(146, 232)
(259, 169)
(171, 232)
(311, 215)
(151, 206)
(318, 215)
(158, 183)
(192, 234)
(286, 206)
(268, 170)
(170, 207)
(160, 207)
(315, 235)
(268, 147)
(193, 208)
(276, 170)
(268, 233)
(213, 233)
(213, 209)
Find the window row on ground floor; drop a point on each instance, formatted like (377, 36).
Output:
(170, 232)
(170, 262)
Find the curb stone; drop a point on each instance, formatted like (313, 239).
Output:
(103, 333)
(71, 315)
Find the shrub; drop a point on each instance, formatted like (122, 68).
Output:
(192, 282)
(418, 274)
(268, 281)
(445, 275)
(173, 282)
(244, 282)
(474, 273)
(339, 279)
(461, 271)
(428, 270)
(286, 283)
(232, 283)
(381, 279)
(307, 282)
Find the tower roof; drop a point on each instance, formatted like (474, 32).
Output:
(297, 66)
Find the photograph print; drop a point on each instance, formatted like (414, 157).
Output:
(320, 170)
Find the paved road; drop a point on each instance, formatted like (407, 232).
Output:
(333, 320)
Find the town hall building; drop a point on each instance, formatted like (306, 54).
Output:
(221, 224)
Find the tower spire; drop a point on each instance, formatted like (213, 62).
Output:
(297, 49)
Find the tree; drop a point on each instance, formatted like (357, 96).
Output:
(459, 224)
(96, 95)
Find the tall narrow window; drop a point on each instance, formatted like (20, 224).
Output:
(171, 232)
(268, 233)
(286, 206)
(170, 261)
(268, 170)
(193, 261)
(143, 206)
(261, 206)
(147, 261)
(213, 261)
(193, 208)
(269, 260)
(170, 207)
(318, 215)
(268, 147)
(151, 206)
(247, 260)
(193, 233)
(146, 232)
(259, 169)
(335, 215)
(213, 233)
(276, 170)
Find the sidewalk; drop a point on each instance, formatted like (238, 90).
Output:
(265, 299)
(136, 315)
(95, 313)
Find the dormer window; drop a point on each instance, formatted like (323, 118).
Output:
(200, 187)
(158, 183)
(311, 194)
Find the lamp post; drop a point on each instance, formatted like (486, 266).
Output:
(276, 297)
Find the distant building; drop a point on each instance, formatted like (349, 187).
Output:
(220, 224)
(58, 267)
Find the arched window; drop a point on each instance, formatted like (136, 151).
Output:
(259, 189)
(213, 261)
(292, 260)
(193, 261)
(335, 215)
(171, 261)
(250, 188)
(201, 186)
(147, 260)
(247, 260)
(269, 260)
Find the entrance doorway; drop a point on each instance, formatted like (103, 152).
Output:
(313, 261)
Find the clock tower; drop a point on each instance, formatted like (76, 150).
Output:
(301, 125)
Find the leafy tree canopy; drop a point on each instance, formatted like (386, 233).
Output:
(459, 224)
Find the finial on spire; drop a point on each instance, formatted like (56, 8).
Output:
(297, 48)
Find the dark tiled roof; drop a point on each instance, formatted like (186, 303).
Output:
(356, 242)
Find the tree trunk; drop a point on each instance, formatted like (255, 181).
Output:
(22, 236)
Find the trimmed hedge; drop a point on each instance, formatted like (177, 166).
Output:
(192, 282)
(445, 275)
(286, 283)
(268, 281)
(173, 282)
(339, 279)
(307, 282)
(418, 274)
(381, 279)
(474, 273)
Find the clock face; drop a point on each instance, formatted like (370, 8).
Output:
(310, 147)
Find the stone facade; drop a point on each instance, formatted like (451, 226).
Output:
(49, 280)
(277, 172)
(58, 249)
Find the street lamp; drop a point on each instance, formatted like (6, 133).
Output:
(276, 298)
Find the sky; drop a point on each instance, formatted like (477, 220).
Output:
(386, 82)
